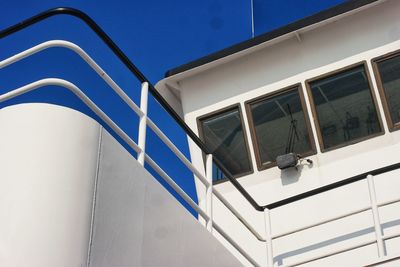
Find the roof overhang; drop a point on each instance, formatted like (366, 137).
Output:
(169, 87)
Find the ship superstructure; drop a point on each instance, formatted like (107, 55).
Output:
(293, 146)
(305, 119)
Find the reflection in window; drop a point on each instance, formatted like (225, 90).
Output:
(223, 133)
(389, 71)
(217, 173)
(344, 106)
(279, 126)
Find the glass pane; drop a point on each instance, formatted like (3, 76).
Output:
(223, 133)
(217, 173)
(280, 126)
(344, 107)
(390, 75)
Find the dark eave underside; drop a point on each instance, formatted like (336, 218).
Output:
(295, 26)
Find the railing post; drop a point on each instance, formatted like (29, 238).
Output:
(143, 123)
(375, 214)
(268, 238)
(209, 193)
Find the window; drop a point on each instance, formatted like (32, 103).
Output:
(279, 126)
(387, 70)
(223, 134)
(344, 106)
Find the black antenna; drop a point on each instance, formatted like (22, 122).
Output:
(292, 136)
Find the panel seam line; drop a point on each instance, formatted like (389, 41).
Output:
(94, 196)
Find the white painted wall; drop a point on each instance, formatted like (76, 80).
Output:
(355, 38)
(139, 223)
(71, 195)
(46, 187)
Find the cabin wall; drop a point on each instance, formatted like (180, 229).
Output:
(353, 39)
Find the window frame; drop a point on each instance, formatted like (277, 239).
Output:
(218, 112)
(263, 166)
(314, 111)
(374, 62)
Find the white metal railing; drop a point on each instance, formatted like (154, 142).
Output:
(375, 215)
(139, 148)
(379, 238)
(78, 92)
(79, 51)
(75, 90)
(206, 179)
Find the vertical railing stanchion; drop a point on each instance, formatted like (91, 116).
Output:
(209, 191)
(375, 215)
(268, 238)
(143, 123)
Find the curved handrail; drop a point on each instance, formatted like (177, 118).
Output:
(135, 71)
(78, 92)
(80, 52)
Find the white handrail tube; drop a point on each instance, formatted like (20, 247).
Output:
(142, 122)
(176, 151)
(388, 202)
(188, 164)
(237, 215)
(79, 51)
(176, 187)
(74, 89)
(209, 193)
(142, 112)
(375, 215)
(235, 244)
(268, 238)
(321, 222)
(394, 235)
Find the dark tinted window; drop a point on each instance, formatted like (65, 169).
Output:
(344, 106)
(223, 133)
(279, 126)
(389, 71)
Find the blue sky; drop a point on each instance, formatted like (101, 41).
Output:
(156, 35)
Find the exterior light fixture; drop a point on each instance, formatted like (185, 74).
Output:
(290, 160)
